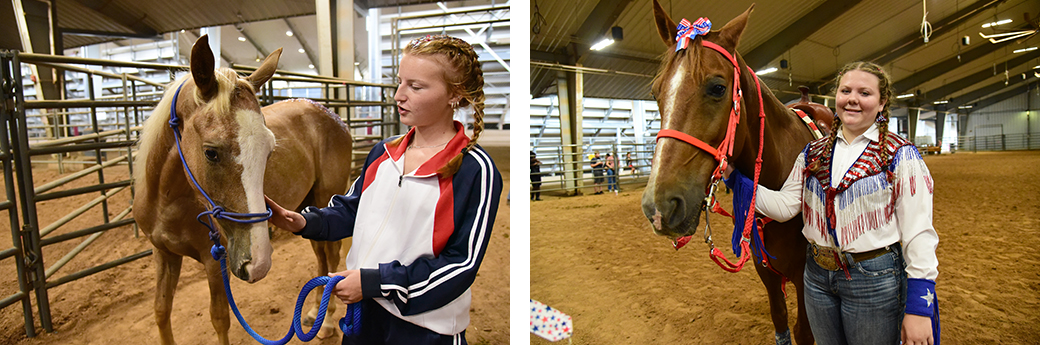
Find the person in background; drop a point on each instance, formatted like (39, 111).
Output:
(611, 164)
(596, 163)
(421, 212)
(536, 178)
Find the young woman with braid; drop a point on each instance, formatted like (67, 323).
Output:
(865, 195)
(422, 210)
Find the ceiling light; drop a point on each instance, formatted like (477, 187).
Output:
(940, 102)
(1023, 50)
(964, 107)
(602, 44)
(766, 71)
(301, 51)
(257, 59)
(241, 39)
(288, 33)
(311, 66)
(908, 95)
(357, 63)
(1000, 22)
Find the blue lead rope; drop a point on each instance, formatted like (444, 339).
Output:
(349, 327)
(350, 324)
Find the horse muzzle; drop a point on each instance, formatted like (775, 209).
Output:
(670, 215)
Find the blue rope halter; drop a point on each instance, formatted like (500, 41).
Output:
(350, 327)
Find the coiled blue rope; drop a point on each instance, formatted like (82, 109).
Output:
(350, 324)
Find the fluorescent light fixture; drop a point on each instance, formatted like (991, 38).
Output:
(1000, 22)
(908, 95)
(1006, 36)
(766, 71)
(602, 44)
(1023, 50)
(940, 102)
(965, 107)
(241, 39)
(301, 51)
(311, 66)
(1036, 67)
(288, 33)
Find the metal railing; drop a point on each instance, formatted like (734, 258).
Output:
(997, 142)
(112, 125)
(561, 170)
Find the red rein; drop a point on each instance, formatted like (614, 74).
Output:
(724, 151)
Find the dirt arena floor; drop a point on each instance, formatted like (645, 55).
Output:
(595, 258)
(116, 306)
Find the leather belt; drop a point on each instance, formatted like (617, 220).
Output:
(832, 259)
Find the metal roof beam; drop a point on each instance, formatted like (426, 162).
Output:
(982, 92)
(975, 78)
(913, 41)
(306, 49)
(938, 69)
(797, 32)
(599, 22)
(120, 15)
(85, 32)
(249, 39)
(1000, 97)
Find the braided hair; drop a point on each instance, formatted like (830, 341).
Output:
(885, 94)
(464, 77)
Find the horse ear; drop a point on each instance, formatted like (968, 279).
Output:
(266, 70)
(729, 35)
(665, 26)
(202, 66)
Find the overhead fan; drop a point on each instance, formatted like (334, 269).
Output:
(1020, 35)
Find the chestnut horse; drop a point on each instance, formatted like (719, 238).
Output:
(295, 153)
(693, 91)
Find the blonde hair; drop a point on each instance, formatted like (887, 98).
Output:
(464, 77)
(885, 93)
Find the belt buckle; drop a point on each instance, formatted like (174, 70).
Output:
(825, 257)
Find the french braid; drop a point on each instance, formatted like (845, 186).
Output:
(464, 77)
(885, 90)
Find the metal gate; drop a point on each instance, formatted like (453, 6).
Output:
(48, 132)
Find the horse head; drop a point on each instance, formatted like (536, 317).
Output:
(694, 90)
(226, 144)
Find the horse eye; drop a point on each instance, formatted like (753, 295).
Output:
(718, 90)
(212, 156)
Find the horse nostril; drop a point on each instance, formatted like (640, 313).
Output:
(243, 270)
(677, 212)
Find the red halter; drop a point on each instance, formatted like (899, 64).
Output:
(721, 154)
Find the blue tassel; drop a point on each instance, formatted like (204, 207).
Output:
(743, 192)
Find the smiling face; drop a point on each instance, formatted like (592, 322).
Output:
(858, 100)
(423, 96)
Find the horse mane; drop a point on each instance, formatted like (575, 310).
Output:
(158, 120)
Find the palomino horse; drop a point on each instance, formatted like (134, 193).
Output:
(695, 93)
(295, 152)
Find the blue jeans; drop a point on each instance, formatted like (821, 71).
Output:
(866, 309)
(611, 180)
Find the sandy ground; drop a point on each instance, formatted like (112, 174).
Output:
(116, 306)
(595, 258)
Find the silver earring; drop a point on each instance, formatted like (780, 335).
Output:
(454, 105)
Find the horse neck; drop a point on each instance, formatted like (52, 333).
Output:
(784, 134)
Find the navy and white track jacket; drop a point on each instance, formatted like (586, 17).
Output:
(418, 238)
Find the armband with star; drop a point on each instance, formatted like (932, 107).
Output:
(920, 297)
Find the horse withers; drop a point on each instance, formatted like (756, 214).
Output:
(236, 151)
(695, 94)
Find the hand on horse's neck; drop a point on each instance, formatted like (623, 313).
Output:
(426, 143)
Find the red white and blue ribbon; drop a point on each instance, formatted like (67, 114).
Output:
(688, 32)
(550, 323)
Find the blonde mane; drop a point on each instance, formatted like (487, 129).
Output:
(158, 121)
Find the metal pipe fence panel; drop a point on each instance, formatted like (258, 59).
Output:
(94, 137)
